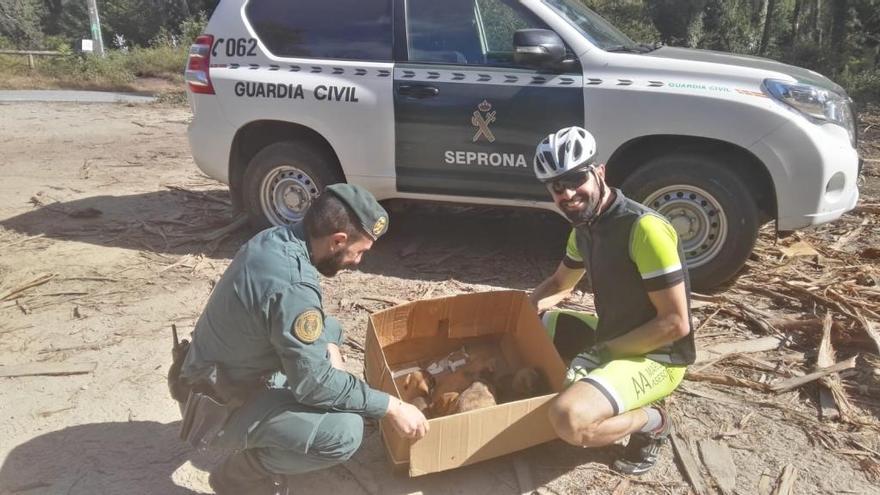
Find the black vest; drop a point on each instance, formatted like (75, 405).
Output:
(622, 303)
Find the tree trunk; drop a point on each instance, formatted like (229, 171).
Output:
(839, 14)
(795, 22)
(768, 26)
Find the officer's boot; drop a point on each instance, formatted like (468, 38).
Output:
(242, 473)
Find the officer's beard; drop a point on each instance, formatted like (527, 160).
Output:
(332, 264)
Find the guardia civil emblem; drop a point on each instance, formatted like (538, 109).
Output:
(308, 326)
(481, 118)
(379, 226)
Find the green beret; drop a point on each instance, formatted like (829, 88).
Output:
(373, 218)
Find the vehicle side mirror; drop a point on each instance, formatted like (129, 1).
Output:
(537, 48)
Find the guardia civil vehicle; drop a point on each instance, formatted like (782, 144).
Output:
(446, 100)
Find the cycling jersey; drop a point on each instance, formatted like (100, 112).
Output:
(628, 251)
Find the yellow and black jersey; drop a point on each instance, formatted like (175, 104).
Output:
(629, 251)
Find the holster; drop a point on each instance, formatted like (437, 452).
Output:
(203, 418)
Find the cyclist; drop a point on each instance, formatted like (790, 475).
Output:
(634, 351)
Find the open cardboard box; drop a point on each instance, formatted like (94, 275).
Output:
(428, 328)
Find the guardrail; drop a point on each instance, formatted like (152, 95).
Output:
(31, 54)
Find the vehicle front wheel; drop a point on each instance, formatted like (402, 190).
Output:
(710, 206)
(282, 180)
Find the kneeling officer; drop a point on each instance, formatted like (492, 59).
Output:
(264, 374)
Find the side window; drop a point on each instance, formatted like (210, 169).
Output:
(334, 29)
(443, 32)
(499, 22)
(466, 32)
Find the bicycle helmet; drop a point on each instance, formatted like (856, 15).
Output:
(568, 149)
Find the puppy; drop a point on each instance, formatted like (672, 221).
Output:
(477, 396)
(525, 383)
(443, 404)
(416, 388)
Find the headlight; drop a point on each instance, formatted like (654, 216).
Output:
(816, 103)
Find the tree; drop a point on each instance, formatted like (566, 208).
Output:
(20, 23)
(768, 26)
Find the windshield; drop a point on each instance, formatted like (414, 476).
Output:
(599, 31)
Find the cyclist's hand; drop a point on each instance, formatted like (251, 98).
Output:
(583, 364)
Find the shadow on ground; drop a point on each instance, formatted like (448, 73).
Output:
(137, 457)
(505, 247)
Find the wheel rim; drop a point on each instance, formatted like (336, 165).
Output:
(286, 193)
(697, 217)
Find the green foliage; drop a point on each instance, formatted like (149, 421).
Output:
(109, 70)
(863, 87)
(191, 27)
(20, 23)
(159, 61)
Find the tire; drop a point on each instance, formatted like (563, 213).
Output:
(281, 181)
(710, 206)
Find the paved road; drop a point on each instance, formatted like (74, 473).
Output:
(73, 96)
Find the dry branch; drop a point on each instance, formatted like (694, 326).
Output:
(738, 347)
(793, 383)
(47, 369)
(30, 285)
(729, 380)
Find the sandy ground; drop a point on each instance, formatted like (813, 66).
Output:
(102, 207)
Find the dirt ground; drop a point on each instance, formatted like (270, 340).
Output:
(108, 234)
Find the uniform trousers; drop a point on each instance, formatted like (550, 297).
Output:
(288, 437)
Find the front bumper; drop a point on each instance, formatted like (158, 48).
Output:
(815, 172)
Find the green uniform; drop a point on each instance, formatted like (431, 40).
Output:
(627, 252)
(265, 319)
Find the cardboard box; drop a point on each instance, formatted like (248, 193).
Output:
(428, 328)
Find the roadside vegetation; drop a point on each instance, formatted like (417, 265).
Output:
(147, 40)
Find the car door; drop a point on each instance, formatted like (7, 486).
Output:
(467, 117)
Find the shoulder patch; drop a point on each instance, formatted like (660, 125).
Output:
(308, 326)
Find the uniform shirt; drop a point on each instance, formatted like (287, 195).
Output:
(248, 326)
(628, 251)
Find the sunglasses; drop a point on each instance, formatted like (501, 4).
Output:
(569, 183)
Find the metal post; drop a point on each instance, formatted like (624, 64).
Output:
(31, 64)
(95, 23)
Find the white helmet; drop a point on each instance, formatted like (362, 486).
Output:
(571, 148)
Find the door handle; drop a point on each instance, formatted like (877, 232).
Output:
(418, 91)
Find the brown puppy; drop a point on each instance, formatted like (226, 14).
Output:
(477, 396)
(416, 388)
(443, 404)
(525, 383)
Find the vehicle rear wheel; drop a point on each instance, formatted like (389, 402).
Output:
(283, 179)
(710, 206)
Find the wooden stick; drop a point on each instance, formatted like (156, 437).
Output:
(738, 347)
(786, 481)
(30, 285)
(688, 463)
(718, 461)
(793, 383)
(726, 380)
(826, 357)
(22, 241)
(47, 369)
(620, 489)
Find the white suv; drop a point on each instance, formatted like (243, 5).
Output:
(446, 100)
